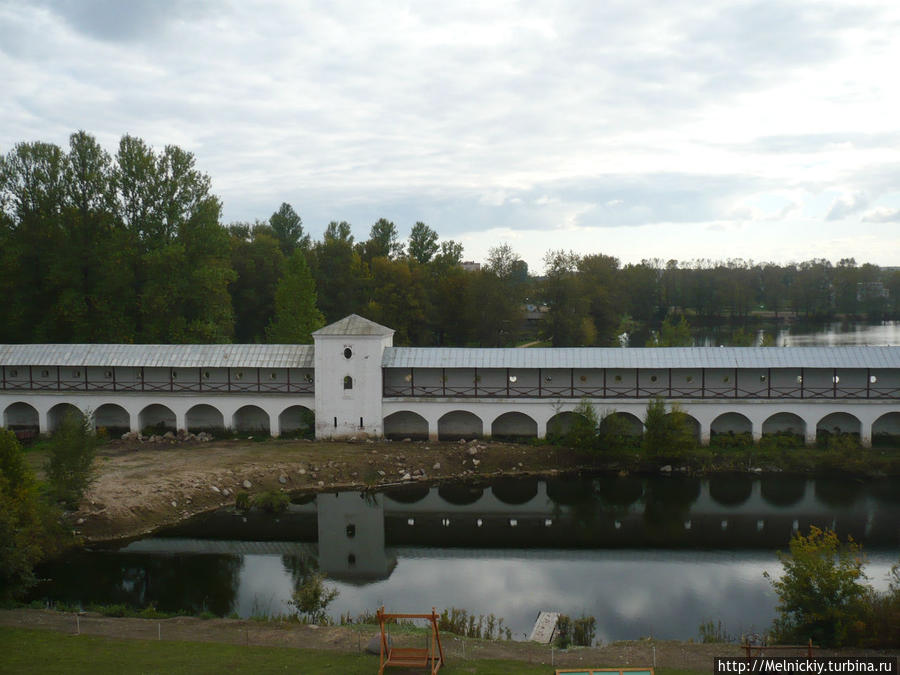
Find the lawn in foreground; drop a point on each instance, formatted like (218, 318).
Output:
(42, 651)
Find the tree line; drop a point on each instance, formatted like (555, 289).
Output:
(131, 248)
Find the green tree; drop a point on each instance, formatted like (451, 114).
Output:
(450, 254)
(296, 316)
(399, 299)
(288, 229)
(341, 277)
(666, 434)
(383, 242)
(820, 590)
(258, 263)
(568, 323)
(29, 529)
(673, 334)
(69, 467)
(422, 243)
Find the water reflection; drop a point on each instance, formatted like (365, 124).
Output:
(643, 555)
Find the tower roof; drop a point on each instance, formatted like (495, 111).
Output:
(354, 325)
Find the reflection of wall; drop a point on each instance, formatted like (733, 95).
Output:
(351, 536)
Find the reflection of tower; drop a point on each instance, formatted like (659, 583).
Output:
(351, 537)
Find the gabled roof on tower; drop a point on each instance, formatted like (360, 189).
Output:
(354, 325)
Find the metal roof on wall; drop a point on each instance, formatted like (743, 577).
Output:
(301, 356)
(165, 356)
(669, 357)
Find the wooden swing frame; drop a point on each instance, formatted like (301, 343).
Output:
(431, 657)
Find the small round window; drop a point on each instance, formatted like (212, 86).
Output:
(726, 378)
(836, 379)
(308, 378)
(513, 378)
(618, 378)
(45, 373)
(583, 378)
(407, 378)
(206, 375)
(547, 378)
(873, 379)
(108, 374)
(690, 378)
(653, 378)
(273, 376)
(762, 378)
(76, 373)
(348, 352)
(239, 375)
(799, 379)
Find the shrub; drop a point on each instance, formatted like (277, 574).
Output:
(242, 501)
(69, 467)
(820, 594)
(583, 631)
(312, 597)
(29, 528)
(666, 435)
(563, 631)
(271, 501)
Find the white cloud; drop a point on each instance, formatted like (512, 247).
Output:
(882, 215)
(475, 117)
(847, 205)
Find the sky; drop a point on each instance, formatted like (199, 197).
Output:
(767, 131)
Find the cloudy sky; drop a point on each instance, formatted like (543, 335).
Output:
(760, 130)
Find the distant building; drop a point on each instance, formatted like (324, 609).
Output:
(470, 266)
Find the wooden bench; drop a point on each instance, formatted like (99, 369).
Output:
(431, 657)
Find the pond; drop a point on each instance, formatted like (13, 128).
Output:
(644, 555)
(801, 333)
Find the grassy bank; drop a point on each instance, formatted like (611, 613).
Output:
(51, 652)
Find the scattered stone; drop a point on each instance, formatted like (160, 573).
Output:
(80, 521)
(174, 504)
(755, 469)
(302, 472)
(407, 440)
(666, 469)
(462, 441)
(282, 479)
(131, 436)
(169, 436)
(247, 484)
(215, 489)
(476, 462)
(437, 466)
(381, 473)
(226, 492)
(321, 483)
(472, 450)
(406, 476)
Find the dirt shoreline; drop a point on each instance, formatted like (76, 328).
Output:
(143, 487)
(353, 639)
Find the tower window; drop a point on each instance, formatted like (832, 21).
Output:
(348, 382)
(348, 352)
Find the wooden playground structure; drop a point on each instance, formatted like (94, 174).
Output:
(431, 657)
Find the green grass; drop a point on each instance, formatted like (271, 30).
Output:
(49, 652)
